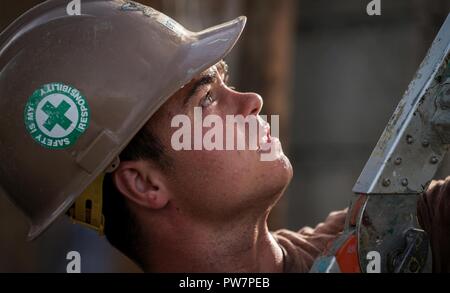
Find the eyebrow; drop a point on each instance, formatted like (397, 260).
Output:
(207, 78)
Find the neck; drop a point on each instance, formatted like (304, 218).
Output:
(245, 245)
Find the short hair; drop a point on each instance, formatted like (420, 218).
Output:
(121, 228)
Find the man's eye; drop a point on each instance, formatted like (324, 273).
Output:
(208, 100)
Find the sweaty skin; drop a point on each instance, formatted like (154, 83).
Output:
(208, 211)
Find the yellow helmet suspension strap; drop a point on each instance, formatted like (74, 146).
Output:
(87, 209)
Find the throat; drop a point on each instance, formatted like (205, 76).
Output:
(250, 249)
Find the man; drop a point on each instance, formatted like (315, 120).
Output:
(206, 211)
(89, 105)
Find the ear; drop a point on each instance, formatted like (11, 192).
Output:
(143, 183)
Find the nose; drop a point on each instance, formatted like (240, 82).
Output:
(249, 103)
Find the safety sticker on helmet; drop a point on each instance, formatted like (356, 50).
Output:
(56, 115)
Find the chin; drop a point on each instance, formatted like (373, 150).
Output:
(288, 166)
(285, 169)
(280, 162)
(277, 176)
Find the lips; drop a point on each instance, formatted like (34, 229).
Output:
(265, 142)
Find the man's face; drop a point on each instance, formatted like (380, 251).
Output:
(214, 185)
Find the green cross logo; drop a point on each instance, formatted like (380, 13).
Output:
(52, 105)
(56, 116)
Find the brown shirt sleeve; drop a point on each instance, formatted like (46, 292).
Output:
(303, 247)
(433, 212)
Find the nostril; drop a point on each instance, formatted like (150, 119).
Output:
(257, 103)
(249, 103)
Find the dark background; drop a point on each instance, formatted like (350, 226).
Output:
(332, 73)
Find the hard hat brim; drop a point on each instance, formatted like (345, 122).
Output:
(213, 45)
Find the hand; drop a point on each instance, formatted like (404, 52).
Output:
(433, 212)
(334, 223)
